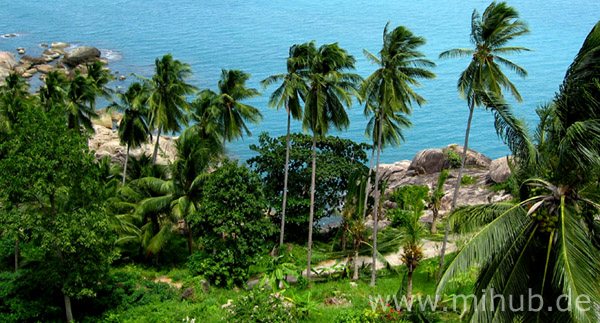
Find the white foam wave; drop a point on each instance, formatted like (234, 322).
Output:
(111, 55)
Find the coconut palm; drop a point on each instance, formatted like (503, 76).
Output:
(100, 77)
(53, 93)
(133, 128)
(14, 97)
(179, 196)
(81, 94)
(233, 113)
(167, 101)
(412, 234)
(550, 240)
(330, 88)
(435, 199)
(490, 34)
(288, 94)
(388, 93)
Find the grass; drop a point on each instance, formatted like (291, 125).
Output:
(207, 306)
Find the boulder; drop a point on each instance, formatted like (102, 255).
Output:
(44, 68)
(474, 159)
(500, 169)
(20, 50)
(81, 55)
(7, 61)
(26, 59)
(428, 161)
(59, 45)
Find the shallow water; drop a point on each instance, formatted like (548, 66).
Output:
(255, 36)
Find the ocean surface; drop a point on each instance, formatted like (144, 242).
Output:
(254, 36)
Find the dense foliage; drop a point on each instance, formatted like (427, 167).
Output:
(232, 224)
(339, 160)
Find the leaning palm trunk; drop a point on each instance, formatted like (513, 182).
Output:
(435, 214)
(312, 204)
(376, 205)
(156, 147)
(285, 179)
(456, 187)
(125, 166)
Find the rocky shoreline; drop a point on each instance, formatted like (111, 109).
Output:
(56, 56)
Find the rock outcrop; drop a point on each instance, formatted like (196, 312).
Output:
(425, 168)
(81, 55)
(431, 161)
(105, 142)
(7, 64)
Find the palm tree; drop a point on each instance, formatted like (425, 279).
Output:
(289, 93)
(14, 97)
(435, 198)
(412, 233)
(550, 240)
(167, 101)
(53, 93)
(330, 89)
(81, 94)
(99, 76)
(490, 34)
(233, 113)
(389, 92)
(175, 199)
(133, 128)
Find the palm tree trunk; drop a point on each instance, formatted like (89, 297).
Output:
(125, 167)
(16, 254)
(312, 204)
(285, 178)
(435, 212)
(156, 147)
(355, 273)
(364, 212)
(68, 309)
(376, 206)
(409, 285)
(456, 188)
(190, 240)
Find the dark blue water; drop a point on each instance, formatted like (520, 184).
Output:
(255, 36)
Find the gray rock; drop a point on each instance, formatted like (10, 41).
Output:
(500, 170)
(81, 55)
(59, 45)
(428, 161)
(26, 59)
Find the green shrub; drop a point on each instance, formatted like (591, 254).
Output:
(467, 180)
(454, 159)
(410, 197)
(261, 306)
(232, 224)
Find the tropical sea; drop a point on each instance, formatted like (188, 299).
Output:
(255, 36)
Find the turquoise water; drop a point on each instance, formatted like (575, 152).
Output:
(255, 36)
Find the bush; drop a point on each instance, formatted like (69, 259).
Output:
(467, 180)
(261, 306)
(454, 159)
(232, 224)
